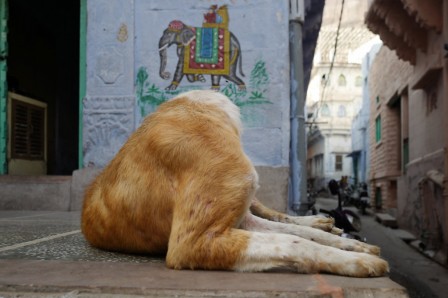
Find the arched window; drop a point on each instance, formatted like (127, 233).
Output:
(342, 111)
(358, 81)
(342, 81)
(325, 110)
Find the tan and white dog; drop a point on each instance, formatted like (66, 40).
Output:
(183, 186)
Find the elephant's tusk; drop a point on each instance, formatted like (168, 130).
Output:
(162, 48)
(188, 42)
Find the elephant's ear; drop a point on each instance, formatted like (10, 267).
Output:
(186, 36)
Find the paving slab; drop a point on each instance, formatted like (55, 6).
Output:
(386, 220)
(420, 275)
(404, 235)
(155, 279)
(43, 254)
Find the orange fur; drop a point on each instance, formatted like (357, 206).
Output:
(182, 185)
(168, 185)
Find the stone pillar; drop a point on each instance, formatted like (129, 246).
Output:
(108, 108)
(445, 96)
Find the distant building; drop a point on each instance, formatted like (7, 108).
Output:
(335, 92)
(360, 126)
(409, 123)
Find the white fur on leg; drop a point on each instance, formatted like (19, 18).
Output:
(315, 221)
(277, 251)
(254, 223)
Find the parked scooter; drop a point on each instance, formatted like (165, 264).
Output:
(344, 219)
(363, 201)
(311, 201)
(358, 197)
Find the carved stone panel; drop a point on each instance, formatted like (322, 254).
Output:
(108, 122)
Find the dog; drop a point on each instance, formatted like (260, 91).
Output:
(182, 186)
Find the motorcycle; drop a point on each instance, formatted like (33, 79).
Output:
(344, 219)
(311, 201)
(359, 198)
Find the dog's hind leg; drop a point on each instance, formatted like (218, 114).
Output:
(254, 223)
(267, 251)
(204, 236)
(206, 215)
(199, 247)
(319, 222)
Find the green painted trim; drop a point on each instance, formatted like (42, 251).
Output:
(3, 84)
(82, 74)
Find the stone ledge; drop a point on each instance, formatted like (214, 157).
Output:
(386, 220)
(103, 279)
(35, 192)
(65, 193)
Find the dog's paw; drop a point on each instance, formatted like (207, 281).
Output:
(371, 249)
(336, 231)
(370, 266)
(323, 223)
(354, 264)
(358, 246)
(314, 221)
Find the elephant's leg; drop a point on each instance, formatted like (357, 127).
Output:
(191, 78)
(215, 82)
(179, 74)
(195, 77)
(235, 60)
(235, 79)
(200, 78)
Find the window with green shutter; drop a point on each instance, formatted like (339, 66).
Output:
(378, 128)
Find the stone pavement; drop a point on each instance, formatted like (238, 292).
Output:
(43, 254)
(421, 276)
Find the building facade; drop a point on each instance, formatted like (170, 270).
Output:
(361, 126)
(408, 100)
(85, 88)
(335, 92)
(142, 54)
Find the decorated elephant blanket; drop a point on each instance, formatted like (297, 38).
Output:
(208, 52)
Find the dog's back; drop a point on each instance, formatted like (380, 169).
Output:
(178, 163)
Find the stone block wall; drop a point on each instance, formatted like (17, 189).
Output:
(388, 78)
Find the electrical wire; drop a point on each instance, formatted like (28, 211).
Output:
(320, 102)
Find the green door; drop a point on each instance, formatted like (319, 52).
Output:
(3, 86)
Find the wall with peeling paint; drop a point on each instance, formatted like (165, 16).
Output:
(124, 84)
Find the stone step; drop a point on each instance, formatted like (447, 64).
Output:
(404, 235)
(45, 193)
(386, 220)
(35, 192)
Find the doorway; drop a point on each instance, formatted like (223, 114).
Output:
(42, 64)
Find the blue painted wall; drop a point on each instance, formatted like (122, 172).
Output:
(124, 84)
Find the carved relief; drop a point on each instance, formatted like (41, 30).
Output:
(110, 65)
(122, 35)
(108, 122)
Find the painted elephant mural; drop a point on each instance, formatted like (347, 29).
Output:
(208, 50)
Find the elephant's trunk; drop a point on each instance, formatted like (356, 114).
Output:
(163, 59)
